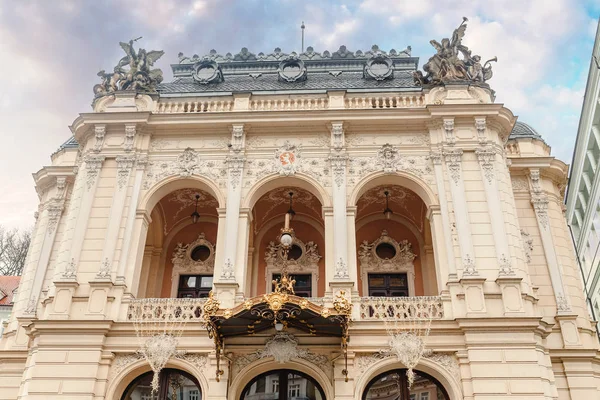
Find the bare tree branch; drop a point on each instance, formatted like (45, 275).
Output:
(14, 245)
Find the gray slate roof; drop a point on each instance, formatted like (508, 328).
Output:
(269, 82)
(249, 72)
(521, 130)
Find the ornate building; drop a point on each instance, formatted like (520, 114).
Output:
(300, 226)
(583, 195)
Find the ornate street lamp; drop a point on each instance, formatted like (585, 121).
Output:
(195, 215)
(387, 211)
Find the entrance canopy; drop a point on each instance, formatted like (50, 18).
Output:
(280, 309)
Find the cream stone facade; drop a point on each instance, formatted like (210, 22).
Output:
(475, 257)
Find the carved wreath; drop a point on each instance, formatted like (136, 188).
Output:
(308, 261)
(182, 256)
(370, 260)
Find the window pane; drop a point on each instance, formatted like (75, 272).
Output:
(398, 280)
(188, 282)
(300, 388)
(376, 280)
(206, 281)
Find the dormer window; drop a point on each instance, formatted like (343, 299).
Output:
(207, 71)
(292, 69)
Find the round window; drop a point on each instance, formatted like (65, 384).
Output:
(385, 251)
(295, 252)
(200, 253)
(379, 68)
(206, 72)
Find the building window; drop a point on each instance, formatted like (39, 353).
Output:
(173, 384)
(303, 286)
(394, 385)
(192, 286)
(194, 395)
(388, 285)
(285, 385)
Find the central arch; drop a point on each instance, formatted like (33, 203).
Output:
(246, 375)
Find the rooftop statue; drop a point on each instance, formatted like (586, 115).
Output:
(133, 72)
(447, 66)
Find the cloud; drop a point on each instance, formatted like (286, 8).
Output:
(51, 52)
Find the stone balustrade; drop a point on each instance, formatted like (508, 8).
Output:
(289, 104)
(193, 107)
(165, 310)
(393, 101)
(401, 308)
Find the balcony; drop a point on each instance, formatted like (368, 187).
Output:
(371, 309)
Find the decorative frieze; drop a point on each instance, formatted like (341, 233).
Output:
(130, 131)
(105, 270)
(338, 166)
(341, 270)
(235, 164)
(93, 164)
(187, 163)
(228, 272)
(449, 131)
(486, 157)
(237, 138)
(453, 160)
(70, 271)
(337, 136)
(99, 133)
(55, 210)
(540, 205)
(125, 164)
(527, 241)
(480, 126)
(389, 160)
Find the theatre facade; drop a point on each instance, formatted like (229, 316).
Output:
(299, 226)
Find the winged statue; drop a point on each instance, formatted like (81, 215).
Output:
(453, 62)
(133, 72)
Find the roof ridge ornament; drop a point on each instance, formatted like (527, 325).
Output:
(132, 72)
(446, 65)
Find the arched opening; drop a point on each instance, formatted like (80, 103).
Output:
(283, 384)
(173, 384)
(393, 385)
(179, 253)
(306, 263)
(394, 243)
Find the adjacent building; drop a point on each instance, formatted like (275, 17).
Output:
(8, 290)
(583, 194)
(313, 225)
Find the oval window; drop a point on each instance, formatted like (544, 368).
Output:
(200, 253)
(295, 252)
(385, 251)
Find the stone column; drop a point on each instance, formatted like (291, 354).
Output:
(230, 271)
(67, 267)
(53, 212)
(443, 233)
(140, 164)
(125, 164)
(453, 159)
(539, 200)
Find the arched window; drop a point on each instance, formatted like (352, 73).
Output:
(174, 384)
(393, 385)
(283, 384)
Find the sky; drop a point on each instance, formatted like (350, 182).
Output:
(51, 50)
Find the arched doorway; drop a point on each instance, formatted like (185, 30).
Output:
(174, 384)
(393, 385)
(283, 384)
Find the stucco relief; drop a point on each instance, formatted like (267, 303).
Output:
(93, 164)
(183, 261)
(449, 362)
(287, 161)
(121, 362)
(125, 164)
(307, 262)
(399, 139)
(209, 142)
(527, 245)
(389, 160)
(283, 347)
(519, 184)
(186, 164)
